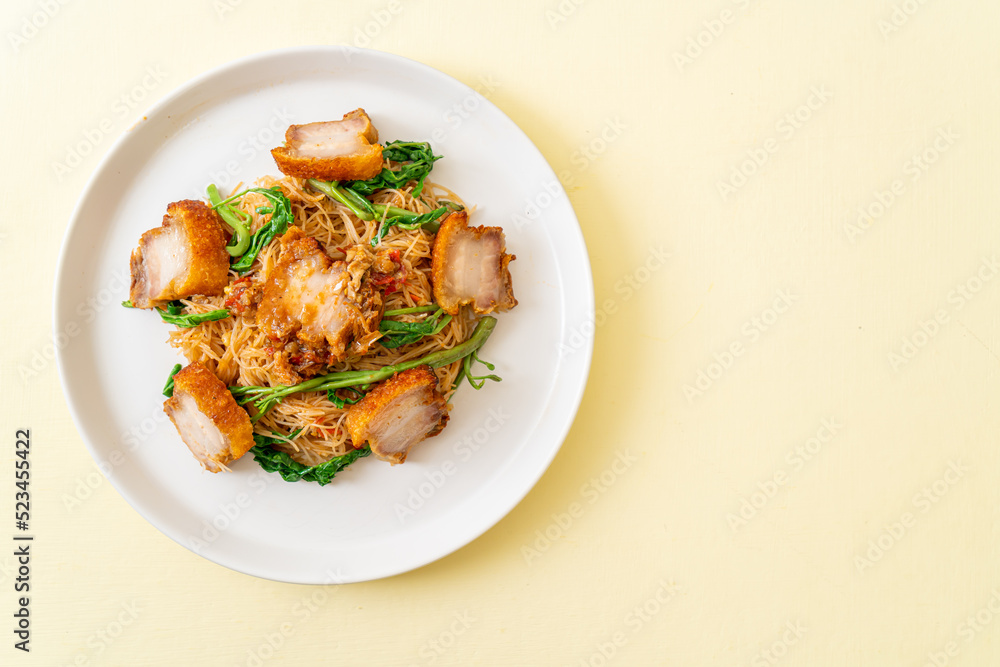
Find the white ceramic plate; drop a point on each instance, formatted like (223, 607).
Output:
(375, 520)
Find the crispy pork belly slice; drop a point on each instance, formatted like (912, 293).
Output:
(337, 150)
(398, 413)
(325, 305)
(185, 256)
(470, 267)
(212, 425)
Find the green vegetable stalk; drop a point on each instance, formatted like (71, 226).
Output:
(171, 314)
(264, 398)
(477, 381)
(235, 218)
(416, 160)
(398, 217)
(398, 334)
(391, 216)
(413, 309)
(359, 206)
(281, 217)
(168, 389)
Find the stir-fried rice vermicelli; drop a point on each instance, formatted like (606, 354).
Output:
(239, 353)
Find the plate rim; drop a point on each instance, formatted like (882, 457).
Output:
(584, 354)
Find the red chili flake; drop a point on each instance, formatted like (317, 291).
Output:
(394, 256)
(325, 431)
(235, 294)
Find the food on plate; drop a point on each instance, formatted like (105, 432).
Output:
(347, 306)
(399, 413)
(336, 150)
(185, 256)
(470, 266)
(323, 304)
(211, 424)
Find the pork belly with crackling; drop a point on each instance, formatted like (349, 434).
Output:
(398, 413)
(185, 256)
(328, 308)
(211, 424)
(337, 150)
(469, 266)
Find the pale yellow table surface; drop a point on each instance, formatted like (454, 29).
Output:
(794, 414)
